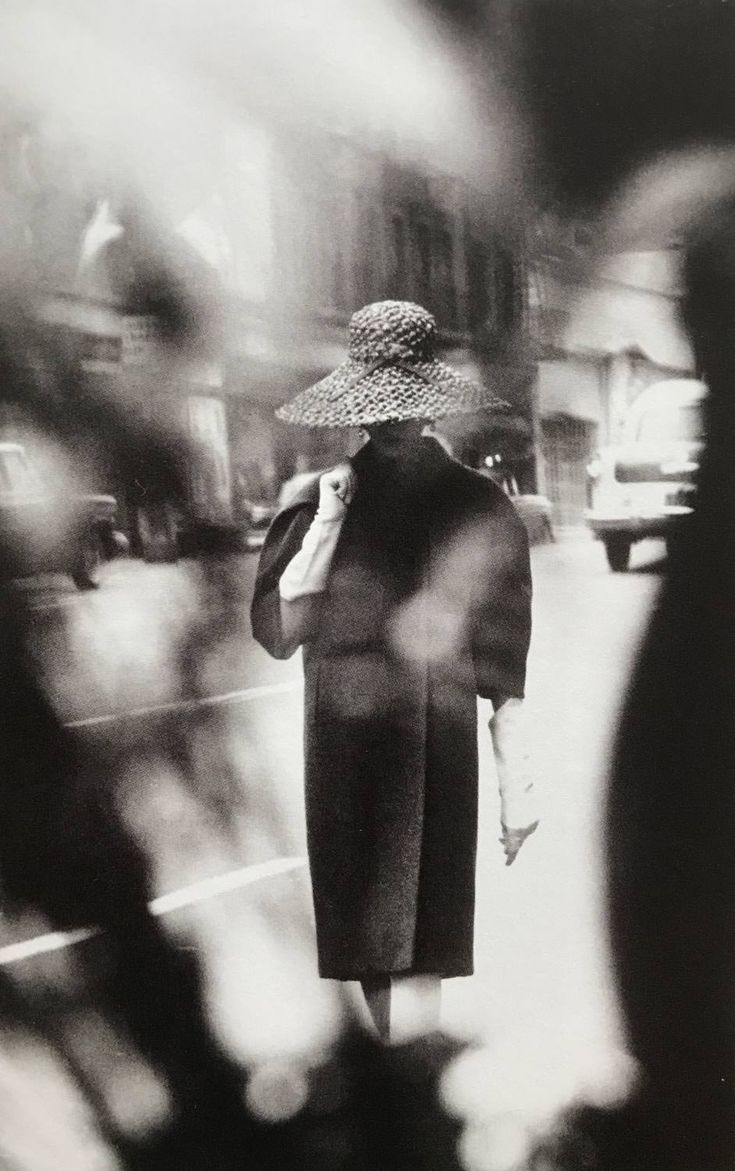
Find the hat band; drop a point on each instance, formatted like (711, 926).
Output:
(387, 360)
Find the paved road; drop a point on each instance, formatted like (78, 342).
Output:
(541, 992)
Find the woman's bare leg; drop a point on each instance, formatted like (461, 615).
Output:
(430, 997)
(416, 1007)
(377, 991)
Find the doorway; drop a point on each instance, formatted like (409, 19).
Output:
(567, 446)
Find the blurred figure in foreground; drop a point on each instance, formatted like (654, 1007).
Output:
(406, 577)
(632, 115)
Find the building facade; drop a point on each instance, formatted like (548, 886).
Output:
(257, 277)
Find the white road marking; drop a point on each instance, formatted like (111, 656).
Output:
(207, 888)
(182, 705)
(175, 900)
(13, 953)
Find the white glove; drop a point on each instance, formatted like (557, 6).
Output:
(308, 571)
(336, 490)
(518, 802)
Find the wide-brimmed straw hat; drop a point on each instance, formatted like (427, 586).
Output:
(391, 374)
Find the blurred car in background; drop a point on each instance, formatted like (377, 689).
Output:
(535, 512)
(258, 515)
(646, 485)
(44, 537)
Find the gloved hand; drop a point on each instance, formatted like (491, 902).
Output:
(336, 491)
(513, 839)
(519, 811)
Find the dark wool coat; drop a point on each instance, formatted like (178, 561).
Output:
(427, 606)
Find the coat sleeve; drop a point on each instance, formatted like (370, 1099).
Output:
(501, 629)
(282, 543)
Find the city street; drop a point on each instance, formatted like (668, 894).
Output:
(418, 264)
(541, 995)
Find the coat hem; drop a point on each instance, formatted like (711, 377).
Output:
(447, 973)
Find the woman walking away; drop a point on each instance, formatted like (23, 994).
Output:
(406, 578)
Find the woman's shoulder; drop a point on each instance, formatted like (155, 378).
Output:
(479, 497)
(478, 488)
(302, 489)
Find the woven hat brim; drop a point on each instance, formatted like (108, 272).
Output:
(388, 394)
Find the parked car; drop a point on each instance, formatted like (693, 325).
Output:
(259, 514)
(533, 509)
(44, 538)
(645, 486)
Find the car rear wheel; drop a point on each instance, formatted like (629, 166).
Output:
(86, 571)
(617, 549)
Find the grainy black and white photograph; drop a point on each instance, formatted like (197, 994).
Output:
(367, 655)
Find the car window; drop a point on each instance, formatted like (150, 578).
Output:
(662, 425)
